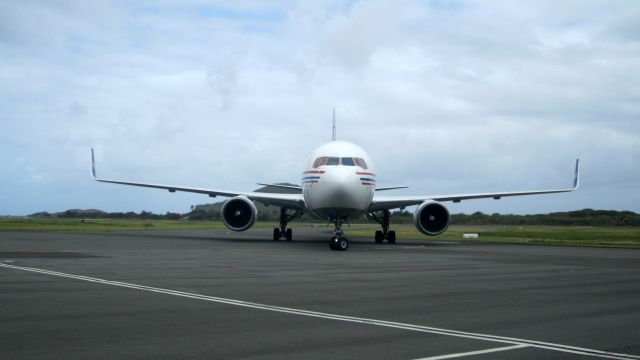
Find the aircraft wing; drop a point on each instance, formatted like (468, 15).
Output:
(291, 201)
(392, 202)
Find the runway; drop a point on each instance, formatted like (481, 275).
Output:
(220, 295)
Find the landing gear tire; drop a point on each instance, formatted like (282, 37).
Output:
(383, 220)
(285, 218)
(339, 243)
(379, 237)
(391, 237)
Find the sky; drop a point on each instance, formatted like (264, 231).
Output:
(446, 97)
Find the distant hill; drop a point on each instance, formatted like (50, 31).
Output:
(264, 189)
(265, 212)
(99, 214)
(72, 213)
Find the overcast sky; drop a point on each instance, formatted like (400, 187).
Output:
(446, 96)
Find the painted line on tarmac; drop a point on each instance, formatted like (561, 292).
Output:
(351, 319)
(470, 353)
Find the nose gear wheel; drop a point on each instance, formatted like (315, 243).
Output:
(338, 241)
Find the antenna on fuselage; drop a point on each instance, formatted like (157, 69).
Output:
(333, 137)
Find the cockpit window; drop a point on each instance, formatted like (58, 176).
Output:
(333, 161)
(321, 161)
(348, 162)
(360, 162)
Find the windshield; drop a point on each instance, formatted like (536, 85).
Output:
(348, 162)
(334, 161)
(320, 162)
(361, 163)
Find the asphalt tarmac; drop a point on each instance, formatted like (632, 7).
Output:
(219, 295)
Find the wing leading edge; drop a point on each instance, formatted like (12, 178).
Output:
(392, 202)
(291, 201)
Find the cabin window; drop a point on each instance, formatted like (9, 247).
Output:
(333, 161)
(348, 162)
(360, 162)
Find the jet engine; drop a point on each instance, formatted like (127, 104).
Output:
(239, 213)
(431, 218)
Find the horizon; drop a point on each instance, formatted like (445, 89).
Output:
(392, 212)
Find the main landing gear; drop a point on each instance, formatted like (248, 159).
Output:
(285, 218)
(338, 241)
(383, 220)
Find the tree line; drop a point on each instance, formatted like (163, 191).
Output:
(99, 214)
(585, 217)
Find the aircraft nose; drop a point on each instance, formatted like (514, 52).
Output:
(344, 188)
(341, 176)
(339, 193)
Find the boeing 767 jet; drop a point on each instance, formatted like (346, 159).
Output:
(337, 185)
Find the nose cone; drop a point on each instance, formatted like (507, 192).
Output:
(341, 189)
(340, 193)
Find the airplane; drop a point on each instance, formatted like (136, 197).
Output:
(337, 185)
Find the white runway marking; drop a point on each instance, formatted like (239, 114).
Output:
(351, 319)
(479, 352)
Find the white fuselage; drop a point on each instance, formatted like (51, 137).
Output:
(338, 181)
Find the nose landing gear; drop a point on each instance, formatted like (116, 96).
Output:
(338, 241)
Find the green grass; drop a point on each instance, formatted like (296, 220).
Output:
(541, 235)
(545, 235)
(25, 224)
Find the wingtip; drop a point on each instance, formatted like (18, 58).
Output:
(576, 177)
(93, 165)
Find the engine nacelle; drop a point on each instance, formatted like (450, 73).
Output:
(239, 213)
(431, 218)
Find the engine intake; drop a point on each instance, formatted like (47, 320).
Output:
(431, 218)
(239, 213)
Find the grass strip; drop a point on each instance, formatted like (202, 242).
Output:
(539, 235)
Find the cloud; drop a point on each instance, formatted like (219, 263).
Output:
(447, 96)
